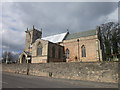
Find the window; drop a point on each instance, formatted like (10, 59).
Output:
(39, 49)
(59, 53)
(67, 53)
(53, 52)
(83, 51)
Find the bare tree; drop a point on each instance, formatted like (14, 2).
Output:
(9, 57)
(110, 40)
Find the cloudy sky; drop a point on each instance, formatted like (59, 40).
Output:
(52, 17)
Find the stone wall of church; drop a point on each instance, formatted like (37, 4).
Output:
(93, 52)
(35, 57)
(47, 52)
(28, 40)
(56, 55)
(31, 36)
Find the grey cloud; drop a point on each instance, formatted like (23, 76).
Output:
(56, 17)
(13, 40)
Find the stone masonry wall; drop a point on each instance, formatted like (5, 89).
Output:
(58, 52)
(94, 71)
(36, 58)
(91, 45)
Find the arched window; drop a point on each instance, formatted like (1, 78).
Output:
(39, 49)
(67, 53)
(83, 51)
(53, 52)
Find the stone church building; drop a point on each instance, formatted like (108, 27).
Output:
(64, 47)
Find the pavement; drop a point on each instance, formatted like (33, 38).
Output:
(11, 80)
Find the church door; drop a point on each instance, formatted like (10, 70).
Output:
(24, 59)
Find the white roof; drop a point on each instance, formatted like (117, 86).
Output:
(55, 38)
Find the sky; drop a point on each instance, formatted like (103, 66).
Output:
(52, 17)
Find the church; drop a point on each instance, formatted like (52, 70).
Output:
(63, 47)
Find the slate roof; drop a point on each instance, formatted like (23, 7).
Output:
(56, 38)
(66, 36)
(81, 34)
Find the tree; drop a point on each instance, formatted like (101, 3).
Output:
(9, 57)
(110, 40)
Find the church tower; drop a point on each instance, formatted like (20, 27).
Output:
(31, 35)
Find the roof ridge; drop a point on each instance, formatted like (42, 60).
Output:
(54, 35)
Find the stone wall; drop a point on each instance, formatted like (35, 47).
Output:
(57, 54)
(35, 57)
(91, 43)
(31, 36)
(44, 45)
(94, 71)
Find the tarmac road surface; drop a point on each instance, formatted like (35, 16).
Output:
(11, 80)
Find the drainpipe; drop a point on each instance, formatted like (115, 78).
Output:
(78, 50)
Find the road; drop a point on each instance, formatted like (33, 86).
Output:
(10, 80)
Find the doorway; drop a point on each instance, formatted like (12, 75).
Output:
(24, 59)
